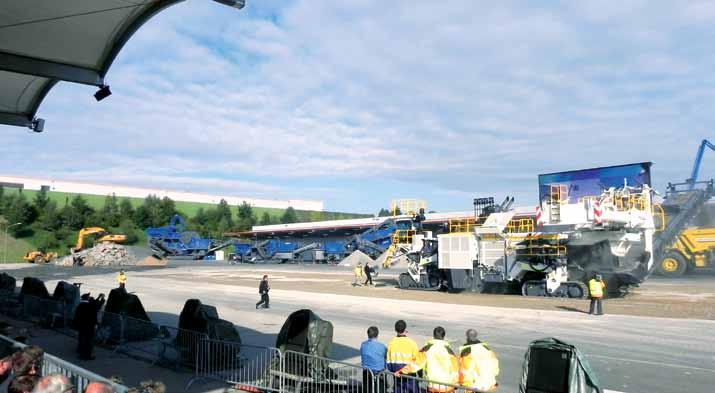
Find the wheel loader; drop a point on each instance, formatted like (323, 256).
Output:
(39, 257)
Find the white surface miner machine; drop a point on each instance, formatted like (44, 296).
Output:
(579, 230)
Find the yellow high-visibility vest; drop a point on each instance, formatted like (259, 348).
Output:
(122, 278)
(595, 287)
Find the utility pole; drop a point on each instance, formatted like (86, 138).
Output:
(6, 236)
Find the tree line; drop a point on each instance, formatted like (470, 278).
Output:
(51, 226)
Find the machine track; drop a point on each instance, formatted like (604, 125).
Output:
(405, 281)
(569, 289)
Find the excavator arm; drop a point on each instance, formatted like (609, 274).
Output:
(103, 236)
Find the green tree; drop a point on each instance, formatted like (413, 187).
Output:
(265, 219)
(126, 210)
(129, 229)
(50, 218)
(142, 217)
(76, 214)
(384, 213)
(246, 219)
(289, 216)
(109, 215)
(41, 200)
(223, 212)
(19, 210)
(167, 208)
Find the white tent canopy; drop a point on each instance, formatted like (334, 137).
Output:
(46, 41)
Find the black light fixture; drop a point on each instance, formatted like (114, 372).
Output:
(239, 4)
(37, 125)
(102, 93)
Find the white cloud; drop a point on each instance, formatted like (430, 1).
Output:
(456, 96)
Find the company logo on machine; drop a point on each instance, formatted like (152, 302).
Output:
(597, 213)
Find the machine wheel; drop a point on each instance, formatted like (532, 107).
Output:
(533, 288)
(405, 281)
(672, 265)
(576, 290)
(433, 280)
(38, 260)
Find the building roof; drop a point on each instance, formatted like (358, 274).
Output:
(43, 42)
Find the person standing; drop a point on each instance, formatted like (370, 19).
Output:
(372, 357)
(401, 351)
(368, 274)
(478, 364)
(85, 320)
(439, 363)
(122, 279)
(595, 289)
(263, 289)
(357, 272)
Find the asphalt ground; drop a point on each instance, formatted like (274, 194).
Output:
(657, 339)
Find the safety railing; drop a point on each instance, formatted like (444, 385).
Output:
(543, 246)
(461, 225)
(246, 367)
(129, 335)
(79, 377)
(558, 193)
(659, 217)
(403, 236)
(386, 382)
(407, 206)
(179, 347)
(520, 225)
(310, 373)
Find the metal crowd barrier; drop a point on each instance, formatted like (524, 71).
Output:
(309, 373)
(245, 366)
(53, 365)
(387, 382)
(130, 335)
(179, 347)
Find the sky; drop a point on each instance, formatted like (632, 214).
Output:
(358, 102)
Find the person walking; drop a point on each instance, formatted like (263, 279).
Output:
(401, 351)
(595, 290)
(357, 273)
(368, 274)
(478, 364)
(372, 359)
(438, 362)
(122, 279)
(263, 289)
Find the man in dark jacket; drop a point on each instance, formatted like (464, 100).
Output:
(368, 274)
(263, 289)
(85, 321)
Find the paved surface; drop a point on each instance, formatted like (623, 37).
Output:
(629, 353)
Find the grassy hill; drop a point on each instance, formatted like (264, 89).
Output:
(16, 248)
(189, 209)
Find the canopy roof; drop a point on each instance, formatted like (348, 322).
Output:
(43, 42)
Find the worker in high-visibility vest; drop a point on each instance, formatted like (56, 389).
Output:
(121, 279)
(401, 351)
(595, 289)
(438, 362)
(358, 275)
(478, 364)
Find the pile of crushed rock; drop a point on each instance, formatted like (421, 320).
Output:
(104, 254)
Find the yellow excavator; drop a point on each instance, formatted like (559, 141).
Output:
(39, 257)
(694, 248)
(102, 236)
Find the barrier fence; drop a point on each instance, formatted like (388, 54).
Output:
(244, 366)
(53, 365)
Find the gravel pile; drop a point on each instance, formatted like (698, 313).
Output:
(106, 254)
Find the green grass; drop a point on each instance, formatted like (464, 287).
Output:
(186, 209)
(16, 248)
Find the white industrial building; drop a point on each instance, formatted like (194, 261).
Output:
(135, 192)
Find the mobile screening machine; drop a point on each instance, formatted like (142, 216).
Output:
(576, 234)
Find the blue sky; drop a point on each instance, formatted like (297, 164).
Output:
(360, 102)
